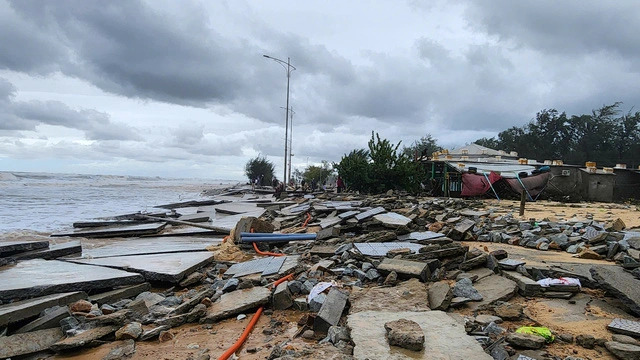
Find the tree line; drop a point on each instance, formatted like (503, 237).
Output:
(380, 167)
(606, 136)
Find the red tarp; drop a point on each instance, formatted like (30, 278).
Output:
(477, 184)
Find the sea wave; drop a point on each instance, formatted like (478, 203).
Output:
(7, 176)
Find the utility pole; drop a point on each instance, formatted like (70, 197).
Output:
(289, 68)
(291, 140)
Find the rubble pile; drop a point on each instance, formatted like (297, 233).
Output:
(374, 277)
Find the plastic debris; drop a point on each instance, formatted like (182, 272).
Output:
(560, 281)
(537, 330)
(319, 288)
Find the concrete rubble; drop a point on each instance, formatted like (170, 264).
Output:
(391, 276)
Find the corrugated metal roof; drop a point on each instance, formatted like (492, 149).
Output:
(506, 170)
(475, 149)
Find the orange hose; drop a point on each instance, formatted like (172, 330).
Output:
(304, 224)
(224, 239)
(227, 354)
(280, 281)
(264, 252)
(255, 246)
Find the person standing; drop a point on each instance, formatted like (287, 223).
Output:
(339, 184)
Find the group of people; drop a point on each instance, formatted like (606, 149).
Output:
(279, 186)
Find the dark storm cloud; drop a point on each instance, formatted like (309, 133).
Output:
(25, 47)
(27, 115)
(128, 48)
(562, 27)
(512, 62)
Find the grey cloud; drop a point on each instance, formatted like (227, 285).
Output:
(27, 115)
(563, 27)
(498, 79)
(25, 47)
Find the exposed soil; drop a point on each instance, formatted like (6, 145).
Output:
(553, 210)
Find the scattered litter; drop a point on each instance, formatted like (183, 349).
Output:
(537, 330)
(560, 281)
(319, 288)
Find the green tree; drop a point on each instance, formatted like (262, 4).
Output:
(319, 174)
(491, 143)
(601, 136)
(426, 146)
(380, 168)
(259, 167)
(354, 170)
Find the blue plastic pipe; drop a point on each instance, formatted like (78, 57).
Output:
(252, 235)
(278, 238)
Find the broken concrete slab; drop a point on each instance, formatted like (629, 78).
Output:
(493, 288)
(623, 351)
(84, 338)
(186, 306)
(323, 250)
(440, 296)
(22, 310)
(28, 343)
(620, 284)
(265, 266)
(472, 213)
(236, 208)
(392, 219)
(445, 338)
(50, 320)
(282, 298)
(52, 252)
(150, 245)
(420, 236)
(625, 327)
(171, 267)
(348, 214)
(197, 217)
(381, 249)
(526, 286)
(329, 222)
(410, 295)
(331, 311)
(192, 203)
(408, 269)
(116, 231)
(37, 277)
(290, 265)
(369, 213)
(457, 233)
(8, 248)
(235, 302)
(118, 294)
(405, 334)
(510, 264)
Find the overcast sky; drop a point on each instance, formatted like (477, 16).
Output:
(181, 89)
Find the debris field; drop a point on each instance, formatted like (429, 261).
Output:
(324, 276)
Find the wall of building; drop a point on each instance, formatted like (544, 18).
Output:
(627, 185)
(562, 185)
(598, 187)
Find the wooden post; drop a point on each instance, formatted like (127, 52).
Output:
(523, 200)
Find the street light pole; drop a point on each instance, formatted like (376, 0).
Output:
(291, 140)
(288, 68)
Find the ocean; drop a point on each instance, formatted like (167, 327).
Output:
(46, 202)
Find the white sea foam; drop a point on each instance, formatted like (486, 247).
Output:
(46, 202)
(7, 176)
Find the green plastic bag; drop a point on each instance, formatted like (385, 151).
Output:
(540, 331)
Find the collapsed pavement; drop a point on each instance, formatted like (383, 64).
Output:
(374, 261)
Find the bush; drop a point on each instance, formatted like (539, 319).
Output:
(380, 168)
